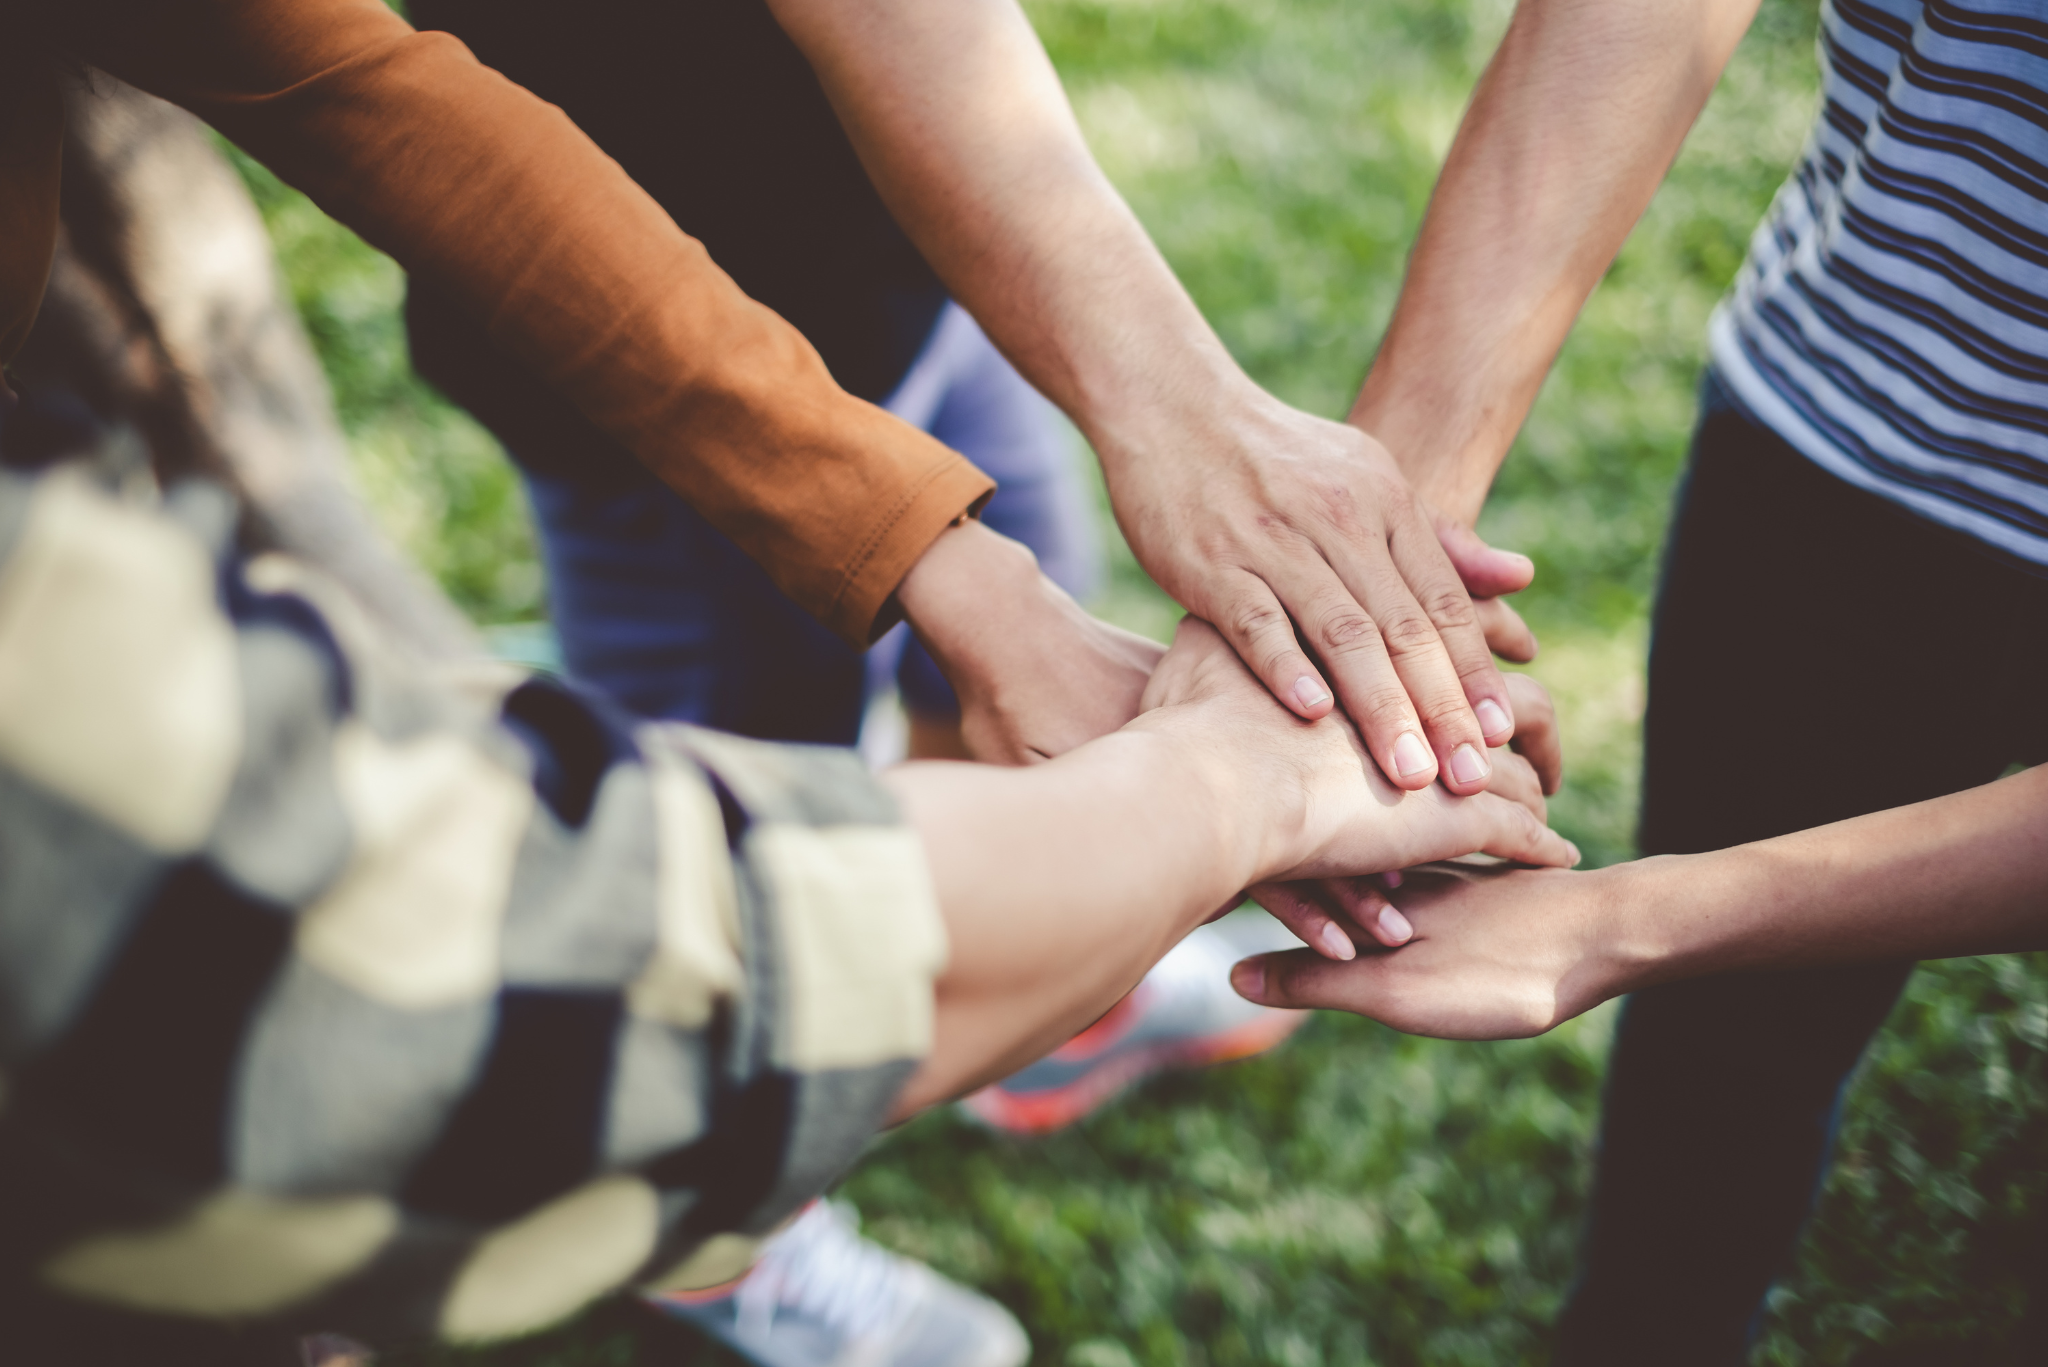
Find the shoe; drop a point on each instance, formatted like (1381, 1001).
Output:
(822, 1296)
(1184, 1014)
(332, 1350)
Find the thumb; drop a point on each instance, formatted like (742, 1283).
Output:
(1487, 572)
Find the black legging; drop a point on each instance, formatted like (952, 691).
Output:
(1818, 653)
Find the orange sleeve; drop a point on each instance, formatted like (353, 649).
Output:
(473, 182)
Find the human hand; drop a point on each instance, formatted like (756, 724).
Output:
(1036, 675)
(1489, 575)
(1495, 954)
(1327, 809)
(1325, 912)
(1274, 518)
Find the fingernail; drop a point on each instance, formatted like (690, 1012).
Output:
(1391, 879)
(1493, 718)
(1468, 765)
(1309, 693)
(1336, 941)
(1411, 756)
(1249, 978)
(1576, 856)
(1395, 924)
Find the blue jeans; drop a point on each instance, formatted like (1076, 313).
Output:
(1807, 621)
(664, 613)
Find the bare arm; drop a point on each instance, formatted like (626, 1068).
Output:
(1578, 117)
(1498, 955)
(1061, 884)
(1248, 512)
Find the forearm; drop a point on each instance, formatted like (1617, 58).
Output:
(1061, 884)
(1570, 130)
(1964, 874)
(961, 121)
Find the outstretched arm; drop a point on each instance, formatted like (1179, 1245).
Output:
(1062, 884)
(1500, 955)
(1570, 131)
(473, 182)
(1248, 512)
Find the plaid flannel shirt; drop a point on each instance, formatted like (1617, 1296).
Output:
(337, 994)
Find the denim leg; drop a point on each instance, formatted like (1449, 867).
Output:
(964, 393)
(658, 609)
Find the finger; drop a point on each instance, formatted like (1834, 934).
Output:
(1423, 669)
(1515, 779)
(1507, 635)
(1436, 586)
(1401, 990)
(1353, 653)
(1297, 979)
(1367, 906)
(1259, 630)
(1513, 832)
(1489, 574)
(1296, 906)
(1485, 571)
(1536, 733)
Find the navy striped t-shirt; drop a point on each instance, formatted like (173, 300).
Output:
(1891, 321)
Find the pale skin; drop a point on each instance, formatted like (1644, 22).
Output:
(1035, 674)
(1253, 515)
(1062, 883)
(1500, 954)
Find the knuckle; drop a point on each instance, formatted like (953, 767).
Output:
(1407, 632)
(1256, 619)
(1385, 710)
(1396, 499)
(1450, 607)
(1346, 632)
(1337, 505)
(1446, 713)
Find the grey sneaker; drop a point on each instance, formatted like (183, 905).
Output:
(822, 1296)
(1185, 1014)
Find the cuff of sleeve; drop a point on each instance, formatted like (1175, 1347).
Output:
(866, 605)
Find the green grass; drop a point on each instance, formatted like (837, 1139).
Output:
(1358, 1197)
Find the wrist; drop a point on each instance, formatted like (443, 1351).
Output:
(1426, 425)
(1226, 791)
(1211, 406)
(1639, 932)
(965, 577)
(1251, 802)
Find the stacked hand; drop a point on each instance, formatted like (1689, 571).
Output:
(1494, 954)
(1035, 673)
(1302, 542)
(1317, 529)
(1325, 809)
(1332, 915)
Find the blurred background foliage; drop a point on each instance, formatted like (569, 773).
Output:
(1357, 1197)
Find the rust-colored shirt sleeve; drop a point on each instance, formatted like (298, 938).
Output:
(474, 182)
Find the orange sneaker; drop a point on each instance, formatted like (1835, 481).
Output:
(1183, 1015)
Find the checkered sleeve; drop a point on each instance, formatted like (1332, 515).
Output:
(340, 995)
